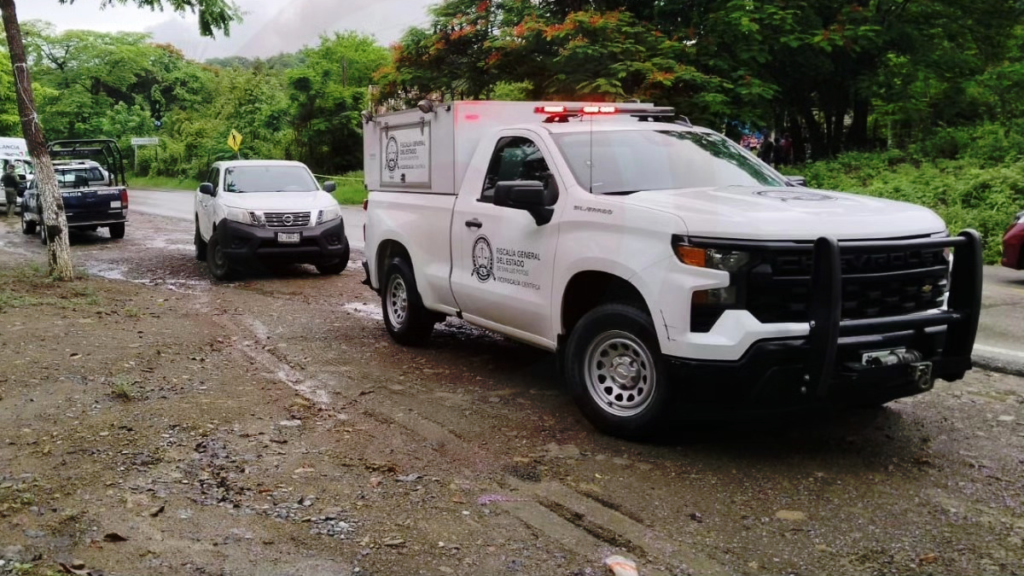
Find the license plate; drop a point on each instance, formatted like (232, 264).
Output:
(289, 237)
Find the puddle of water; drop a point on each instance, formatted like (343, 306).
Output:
(365, 310)
(112, 272)
(107, 271)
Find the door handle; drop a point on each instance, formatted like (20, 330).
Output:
(474, 223)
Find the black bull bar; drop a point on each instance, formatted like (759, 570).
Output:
(963, 304)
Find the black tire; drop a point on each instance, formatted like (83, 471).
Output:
(117, 230)
(334, 267)
(413, 328)
(28, 227)
(618, 335)
(217, 261)
(42, 235)
(200, 244)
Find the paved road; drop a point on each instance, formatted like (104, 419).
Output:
(178, 204)
(999, 338)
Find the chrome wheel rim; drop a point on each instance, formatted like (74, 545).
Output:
(620, 373)
(398, 301)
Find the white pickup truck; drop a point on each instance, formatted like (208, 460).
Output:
(674, 273)
(251, 212)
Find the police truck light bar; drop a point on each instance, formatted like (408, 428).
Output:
(633, 110)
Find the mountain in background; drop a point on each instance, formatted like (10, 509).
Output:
(270, 28)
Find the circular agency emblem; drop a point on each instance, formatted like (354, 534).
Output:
(391, 154)
(786, 196)
(483, 259)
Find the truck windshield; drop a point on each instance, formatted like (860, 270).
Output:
(249, 179)
(630, 161)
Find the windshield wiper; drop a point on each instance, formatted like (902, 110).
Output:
(621, 193)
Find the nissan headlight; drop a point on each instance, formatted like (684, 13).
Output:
(247, 217)
(328, 215)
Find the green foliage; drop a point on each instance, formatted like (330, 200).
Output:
(351, 190)
(980, 186)
(327, 94)
(213, 15)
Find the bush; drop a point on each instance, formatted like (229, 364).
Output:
(971, 191)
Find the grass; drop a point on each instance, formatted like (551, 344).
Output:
(162, 183)
(28, 286)
(124, 388)
(350, 189)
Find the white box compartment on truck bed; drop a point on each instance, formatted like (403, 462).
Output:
(412, 151)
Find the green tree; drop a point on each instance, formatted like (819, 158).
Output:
(213, 15)
(328, 92)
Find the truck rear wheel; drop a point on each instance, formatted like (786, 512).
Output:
(615, 371)
(117, 231)
(405, 317)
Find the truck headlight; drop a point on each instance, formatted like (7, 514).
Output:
(247, 217)
(328, 215)
(716, 259)
(707, 306)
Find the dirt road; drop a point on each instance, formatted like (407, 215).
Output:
(270, 427)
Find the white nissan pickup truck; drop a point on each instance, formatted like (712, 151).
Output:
(674, 273)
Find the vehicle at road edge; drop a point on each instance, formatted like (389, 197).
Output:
(674, 273)
(259, 211)
(1013, 244)
(15, 151)
(93, 188)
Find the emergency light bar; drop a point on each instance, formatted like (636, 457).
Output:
(607, 109)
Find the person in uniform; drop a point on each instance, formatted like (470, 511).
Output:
(11, 185)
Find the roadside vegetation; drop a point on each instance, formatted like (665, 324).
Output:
(973, 177)
(26, 286)
(916, 101)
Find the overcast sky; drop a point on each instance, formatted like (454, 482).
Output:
(270, 26)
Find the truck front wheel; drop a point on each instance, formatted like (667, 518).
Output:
(217, 260)
(616, 373)
(200, 244)
(405, 317)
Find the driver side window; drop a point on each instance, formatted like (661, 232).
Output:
(515, 158)
(214, 178)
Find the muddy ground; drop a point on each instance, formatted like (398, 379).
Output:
(153, 422)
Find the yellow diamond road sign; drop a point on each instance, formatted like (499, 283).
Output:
(235, 140)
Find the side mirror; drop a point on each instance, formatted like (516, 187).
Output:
(207, 189)
(529, 195)
(797, 181)
(330, 187)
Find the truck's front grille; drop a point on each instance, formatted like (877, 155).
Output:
(875, 285)
(287, 219)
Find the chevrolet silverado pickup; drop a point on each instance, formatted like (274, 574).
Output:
(674, 273)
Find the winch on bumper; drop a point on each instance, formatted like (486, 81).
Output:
(326, 242)
(849, 362)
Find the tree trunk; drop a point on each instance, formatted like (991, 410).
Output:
(857, 137)
(54, 220)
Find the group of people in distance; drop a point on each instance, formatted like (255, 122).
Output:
(777, 152)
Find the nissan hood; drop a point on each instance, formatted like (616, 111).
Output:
(759, 213)
(278, 201)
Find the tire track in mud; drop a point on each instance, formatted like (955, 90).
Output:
(554, 512)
